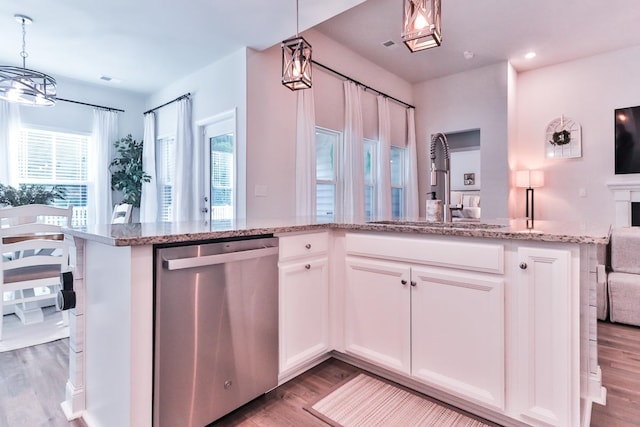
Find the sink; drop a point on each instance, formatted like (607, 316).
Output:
(455, 224)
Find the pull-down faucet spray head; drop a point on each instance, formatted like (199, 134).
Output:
(445, 148)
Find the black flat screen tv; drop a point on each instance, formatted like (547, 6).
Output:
(627, 140)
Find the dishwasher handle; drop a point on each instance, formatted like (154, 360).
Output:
(203, 261)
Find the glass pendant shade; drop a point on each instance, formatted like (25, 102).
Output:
(27, 87)
(296, 63)
(422, 24)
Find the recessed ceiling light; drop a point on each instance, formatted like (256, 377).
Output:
(530, 55)
(468, 54)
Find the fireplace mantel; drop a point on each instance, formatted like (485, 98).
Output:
(625, 189)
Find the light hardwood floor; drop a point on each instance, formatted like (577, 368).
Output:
(32, 386)
(619, 356)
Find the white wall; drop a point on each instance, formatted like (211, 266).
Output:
(587, 90)
(271, 117)
(475, 99)
(215, 89)
(65, 116)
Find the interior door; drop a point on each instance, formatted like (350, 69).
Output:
(220, 171)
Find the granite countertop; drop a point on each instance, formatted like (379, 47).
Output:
(178, 232)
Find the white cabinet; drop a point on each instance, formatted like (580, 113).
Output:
(377, 316)
(304, 300)
(458, 333)
(443, 326)
(547, 338)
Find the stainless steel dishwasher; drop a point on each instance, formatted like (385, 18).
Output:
(215, 329)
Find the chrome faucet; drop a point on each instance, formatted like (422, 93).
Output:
(447, 178)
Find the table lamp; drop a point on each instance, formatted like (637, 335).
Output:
(529, 179)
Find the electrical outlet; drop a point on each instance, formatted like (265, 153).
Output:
(260, 191)
(582, 192)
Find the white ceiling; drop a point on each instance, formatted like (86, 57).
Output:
(494, 30)
(148, 43)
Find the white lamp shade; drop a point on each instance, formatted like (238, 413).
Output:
(529, 179)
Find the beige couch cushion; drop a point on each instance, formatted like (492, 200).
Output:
(624, 298)
(625, 250)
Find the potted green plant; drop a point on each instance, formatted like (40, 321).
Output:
(29, 194)
(126, 170)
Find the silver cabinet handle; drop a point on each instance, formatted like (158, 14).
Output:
(308, 246)
(523, 265)
(404, 282)
(308, 266)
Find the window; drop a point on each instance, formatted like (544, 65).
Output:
(327, 143)
(165, 166)
(397, 181)
(370, 175)
(56, 158)
(222, 176)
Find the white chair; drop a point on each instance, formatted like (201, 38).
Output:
(34, 253)
(121, 214)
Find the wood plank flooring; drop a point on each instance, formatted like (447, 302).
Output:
(619, 357)
(32, 384)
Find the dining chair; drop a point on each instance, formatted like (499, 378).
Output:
(34, 252)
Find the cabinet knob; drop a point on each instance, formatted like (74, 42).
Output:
(308, 266)
(523, 265)
(414, 283)
(404, 282)
(308, 246)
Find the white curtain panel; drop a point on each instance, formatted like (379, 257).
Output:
(383, 210)
(412, 202)
(352, 162)
(305, 155)
(183, 205)
(9, 131)
(149, 199)
(103, 136)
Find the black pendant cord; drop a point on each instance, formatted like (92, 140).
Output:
(90, 105)
(344, 76)
(186, 95)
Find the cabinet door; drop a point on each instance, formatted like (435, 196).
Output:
(545, 338)
(377, 316)
(457, 325)
(304, 311)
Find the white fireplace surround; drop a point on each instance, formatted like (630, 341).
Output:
(625, 190)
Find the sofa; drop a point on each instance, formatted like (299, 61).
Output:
(623, 281)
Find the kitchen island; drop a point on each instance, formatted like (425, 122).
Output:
(507, 326)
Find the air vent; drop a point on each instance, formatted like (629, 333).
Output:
(388, 43)
(110, 79)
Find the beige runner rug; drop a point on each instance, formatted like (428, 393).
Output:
(365, 401)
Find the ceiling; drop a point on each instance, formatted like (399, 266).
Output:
(145, 44)
(493, 30)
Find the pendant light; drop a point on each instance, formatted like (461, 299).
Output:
(24, 86)
(296, 61)
(421, 29)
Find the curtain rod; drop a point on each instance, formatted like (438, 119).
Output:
(90, 105)
(186, 95)
(362, 84)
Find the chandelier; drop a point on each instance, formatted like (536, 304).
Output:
(296, 61)
(421, 29)
(24, 86)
